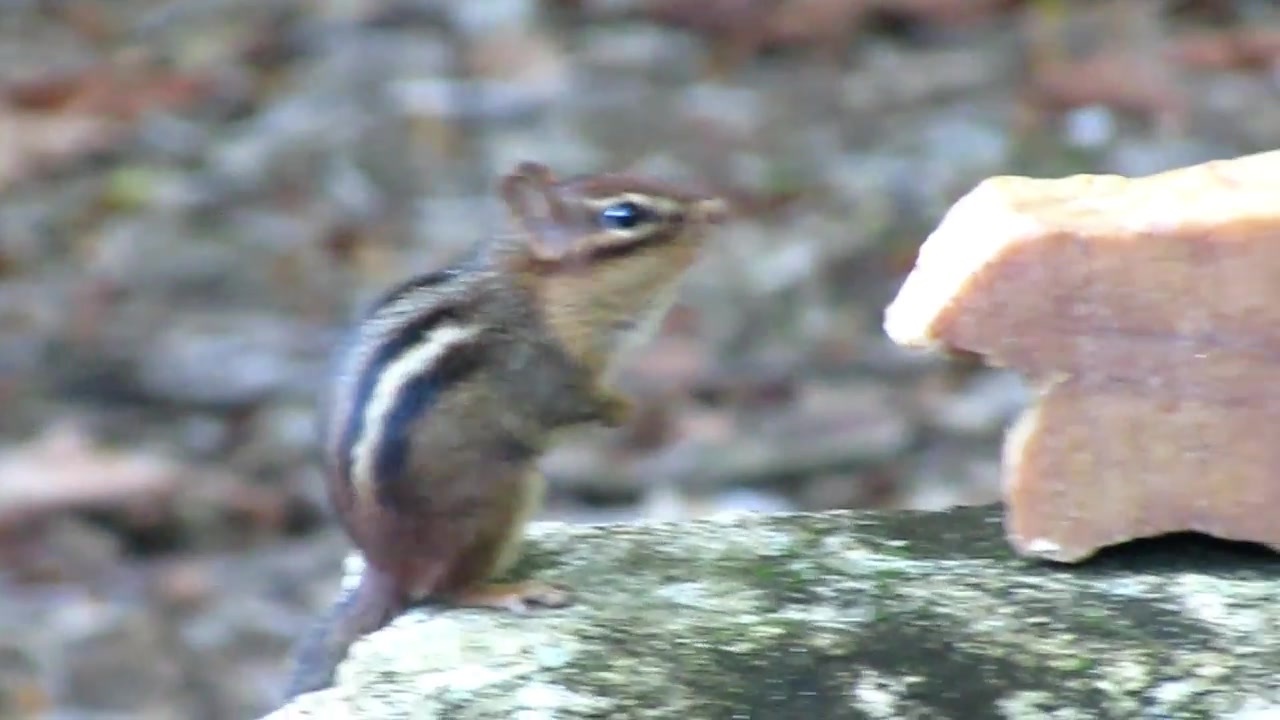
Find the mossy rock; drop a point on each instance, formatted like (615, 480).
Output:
(837, 615)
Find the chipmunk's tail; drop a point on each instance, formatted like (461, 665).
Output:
(360, 610)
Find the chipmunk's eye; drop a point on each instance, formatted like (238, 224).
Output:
(625, 215)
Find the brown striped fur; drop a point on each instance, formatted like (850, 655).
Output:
(454, 382)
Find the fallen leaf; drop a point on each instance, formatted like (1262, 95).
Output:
(33, 143)
(60, 116)
(64, 469)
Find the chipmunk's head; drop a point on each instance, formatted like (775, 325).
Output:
(605, 252)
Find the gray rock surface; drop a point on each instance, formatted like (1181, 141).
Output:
(838, 615)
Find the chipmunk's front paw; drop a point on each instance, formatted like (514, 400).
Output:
(613, 409)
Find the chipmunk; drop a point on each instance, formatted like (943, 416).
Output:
(454, 383)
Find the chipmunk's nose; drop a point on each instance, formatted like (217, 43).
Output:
(712, 210)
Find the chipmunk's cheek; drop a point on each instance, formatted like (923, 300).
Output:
(551, 241)
(712, 212)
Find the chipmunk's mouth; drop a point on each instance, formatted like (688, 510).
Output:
(712, 211)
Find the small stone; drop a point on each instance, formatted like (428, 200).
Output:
(747, 501)
(115, 659)
(204, 436)
(871, 489)
(220, 362)
(630, 47)
(985, 405)
(23, 690)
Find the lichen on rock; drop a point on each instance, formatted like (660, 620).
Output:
(836, 615)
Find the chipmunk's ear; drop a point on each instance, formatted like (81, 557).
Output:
(526, 190)
(537, 211)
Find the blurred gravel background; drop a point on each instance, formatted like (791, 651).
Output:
(196, 194)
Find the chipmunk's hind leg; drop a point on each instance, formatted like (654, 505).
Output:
(495, 551)
(515, 597)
